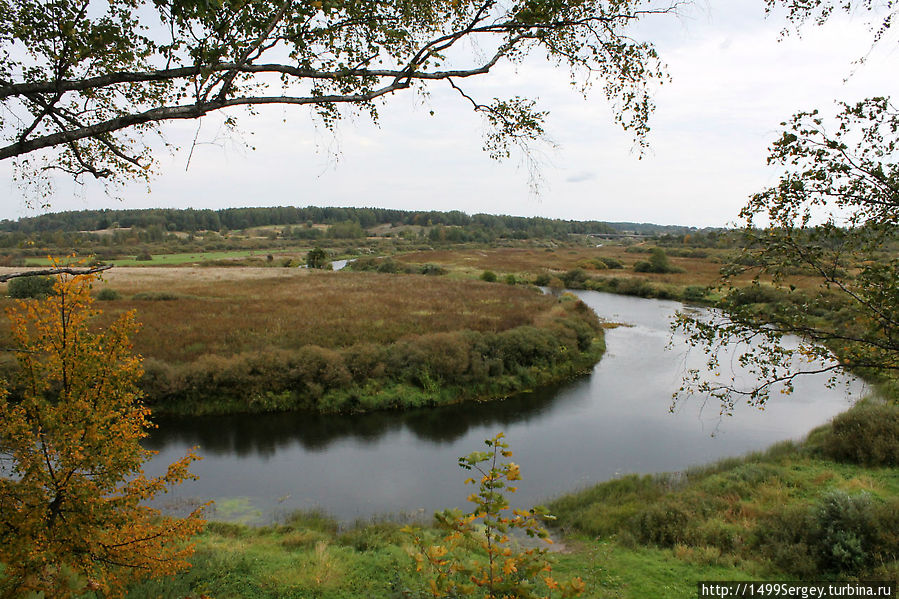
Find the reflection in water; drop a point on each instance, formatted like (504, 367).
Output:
(265, 434)
(612, 422)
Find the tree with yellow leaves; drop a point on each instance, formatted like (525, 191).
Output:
(73, 513)
(478, 556)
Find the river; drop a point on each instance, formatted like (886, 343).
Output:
(613, 422)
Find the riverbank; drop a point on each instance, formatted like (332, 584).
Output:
(766, 516)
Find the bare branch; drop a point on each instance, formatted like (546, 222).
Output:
(55, 271)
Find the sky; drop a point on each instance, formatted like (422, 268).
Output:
(734, 79)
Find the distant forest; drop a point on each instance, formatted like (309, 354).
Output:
(190, 220)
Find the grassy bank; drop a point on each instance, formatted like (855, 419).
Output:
(219, 341)
(823, 509)
(827, 508)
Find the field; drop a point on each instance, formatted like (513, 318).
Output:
(175, 259)
(232, 310)
(697, 267)
(219, 340)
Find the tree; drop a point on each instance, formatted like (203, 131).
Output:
(72, 493)
(478, 557)
(317, 258)
(833, 217)
(83, 83)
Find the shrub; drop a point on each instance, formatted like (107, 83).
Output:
(694, 293)
(754, 294)
(510, 279)
(657, 263)
(845, 527)
(542, 279)
(432, 269)
(107, 294)
(388, 266)
(574, 278)
(489, 276)
(661, 524)
(317, 258)
(642, 266)
(611, 263)
(840, 533)
(155, 296)
(144, 256)
(867, 434)
(31, 287)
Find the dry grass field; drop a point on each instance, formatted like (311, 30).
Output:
(189, 312)
(530, 262)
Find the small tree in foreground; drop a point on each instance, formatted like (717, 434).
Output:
(72, 492)
(477, 557)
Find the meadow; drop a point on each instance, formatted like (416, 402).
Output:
(220, 340)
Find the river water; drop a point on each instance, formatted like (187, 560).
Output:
(613, 422)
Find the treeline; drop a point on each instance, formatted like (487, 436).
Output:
(428, 369)
(191, 220)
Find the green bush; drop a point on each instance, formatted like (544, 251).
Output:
(432, 269)
(611, 263)
(144, 256)
(489, 276)
(657, 263)
(867, 434)
(155, 296)
(662, 524)
(844, 531)
(754, 294)
(695, 293)
(839, 534)
(510, 279)
(107, 294)
(30, 287)
(317, 258)
(575, 278)
(542, 279)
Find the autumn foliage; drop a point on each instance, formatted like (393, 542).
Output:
(72, 491)
(483, 553)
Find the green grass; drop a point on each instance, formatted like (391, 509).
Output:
(311, 555)
(170, 259)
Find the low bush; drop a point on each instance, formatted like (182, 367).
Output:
(611, 263)
(839, 534)
(663, 524)
(108, 294)
(155, 296)
(657, 263)
(543, 279)
(695, 293)
(432, 269)
(755, 293)
(489, 276)
(575, 278)
(867, 434)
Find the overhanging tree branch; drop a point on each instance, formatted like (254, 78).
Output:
(91, 87)
(55, 271)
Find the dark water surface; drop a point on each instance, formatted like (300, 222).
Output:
(612, 422)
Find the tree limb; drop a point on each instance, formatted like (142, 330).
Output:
(55, 271)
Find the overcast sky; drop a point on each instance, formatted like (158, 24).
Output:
(733, 82)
